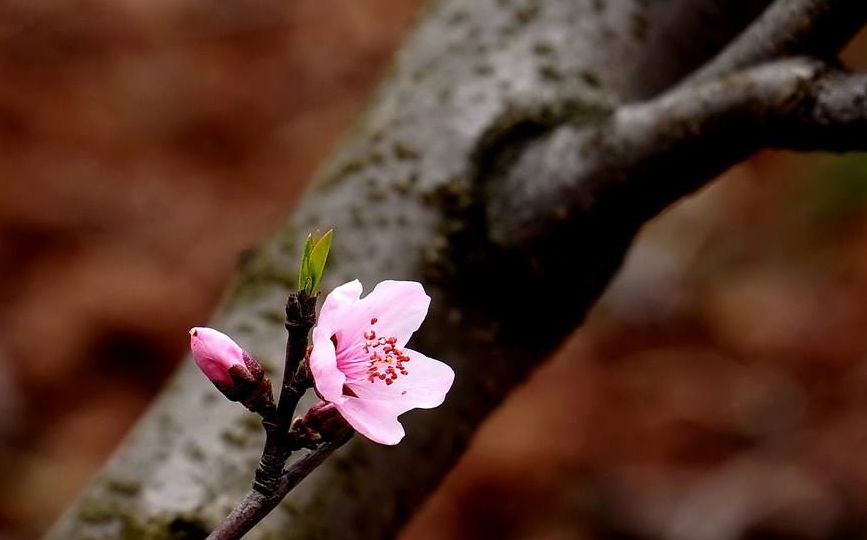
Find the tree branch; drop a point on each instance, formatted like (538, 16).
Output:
(817, 28)
(300, 318)
(832, 116)
(404, 191)
(256, 505)
(270, 484)
(645, 156)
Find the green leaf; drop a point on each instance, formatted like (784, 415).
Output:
(313, 260)
(318, 257)
(304, 270)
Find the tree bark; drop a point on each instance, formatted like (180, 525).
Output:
(406, 194)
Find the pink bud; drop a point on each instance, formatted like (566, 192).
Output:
(225, 363)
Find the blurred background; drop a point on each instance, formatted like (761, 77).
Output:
(719, 390)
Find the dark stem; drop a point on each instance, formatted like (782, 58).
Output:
(818, 28)
(300, 318)
(271, 482)
(256, 505)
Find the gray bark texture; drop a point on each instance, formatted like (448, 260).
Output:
(487, 101)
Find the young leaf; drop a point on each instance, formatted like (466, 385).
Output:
(304, 279)
(318, 257)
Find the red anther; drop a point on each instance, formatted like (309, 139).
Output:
(391, 356)
(373, 320)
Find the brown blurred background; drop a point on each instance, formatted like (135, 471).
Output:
(719, 391)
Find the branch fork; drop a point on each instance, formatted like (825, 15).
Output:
(321, 431)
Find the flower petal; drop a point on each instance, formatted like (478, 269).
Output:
(329, 380)
(399, 308)
(337, 302)
(374, 419)
(215, 353)
(425, 386)
(343, 357)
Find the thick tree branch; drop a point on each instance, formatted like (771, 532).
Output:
(818, 28)
(405, 192)
(647, 155)
(832, 116)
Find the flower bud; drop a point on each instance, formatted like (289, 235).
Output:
(322, 422)
(232, 370)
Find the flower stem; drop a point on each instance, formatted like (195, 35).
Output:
(272, 482)
(256, 505)
(300, 318)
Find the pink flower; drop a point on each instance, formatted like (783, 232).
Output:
(225, 363)
(360, 362)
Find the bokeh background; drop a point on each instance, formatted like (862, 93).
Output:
(719, 390)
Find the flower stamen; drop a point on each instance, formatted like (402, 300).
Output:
(386, 360)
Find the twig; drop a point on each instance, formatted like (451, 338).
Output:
(271, 482)
(256, 505)
(818, 28)
(300, 318)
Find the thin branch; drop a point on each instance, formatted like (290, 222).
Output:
(271, 482)
(818, 28)
(300, 318)
(645, 156)
(255, 505)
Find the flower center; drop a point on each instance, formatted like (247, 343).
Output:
(386, 360)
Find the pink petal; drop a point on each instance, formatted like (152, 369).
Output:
(374, 419)
(425, 386)
(399, 308)
(336, 303)
(394, 309)
(215, 352)
(329, 380)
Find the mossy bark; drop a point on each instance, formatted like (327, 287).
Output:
(403, 194)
